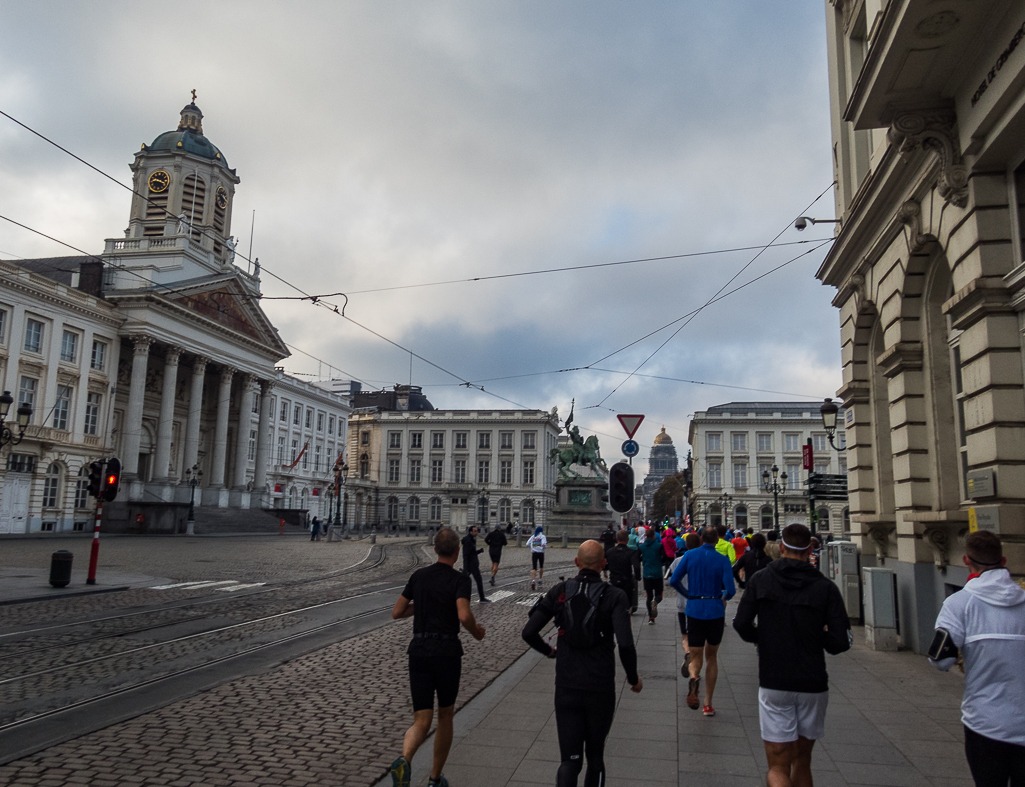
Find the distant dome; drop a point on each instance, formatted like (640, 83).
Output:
(189, 137)
(662, 438)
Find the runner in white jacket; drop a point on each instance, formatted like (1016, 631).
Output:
(537, 544)
(986, 621)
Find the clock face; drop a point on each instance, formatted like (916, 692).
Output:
(222, 197)
(159, 181)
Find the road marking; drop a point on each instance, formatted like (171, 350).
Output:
(530, 600)
(195, 585)
(498, 595)
(233, 588)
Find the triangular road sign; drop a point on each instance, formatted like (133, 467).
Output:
(630, 423)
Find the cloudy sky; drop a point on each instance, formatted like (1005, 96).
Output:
(385, 144)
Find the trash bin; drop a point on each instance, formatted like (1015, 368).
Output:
(60, 568)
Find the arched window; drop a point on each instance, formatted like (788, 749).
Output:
(434, 510)
(740, 517)
(504, 510)
(823, 519)
(413, 507)
(527, 509)
(846, 519)
(82, 488)
(766, 517)
(51, 485)
(393, 509)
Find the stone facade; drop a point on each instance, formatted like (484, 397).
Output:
(928, 113)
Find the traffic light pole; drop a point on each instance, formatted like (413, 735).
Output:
(94, 556)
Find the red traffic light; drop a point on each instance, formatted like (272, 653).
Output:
(113, 479)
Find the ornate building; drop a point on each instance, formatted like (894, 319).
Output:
(662, 463)
(927, 100)
(156, 351)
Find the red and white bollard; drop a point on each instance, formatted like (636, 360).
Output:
(94, 556)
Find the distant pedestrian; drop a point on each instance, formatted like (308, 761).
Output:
(315, 530)
(537, 544)
(772, 545)
(723, 546)
(986, 621)
(668, 550)
(438, 599)
(740, 544)
(620, 563)
(709, 586)
(471, 563)
(651, 557)
(592, 619)
(495, 540)
(799, 615)
(753, 561)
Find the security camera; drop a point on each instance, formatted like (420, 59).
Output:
(801, 223)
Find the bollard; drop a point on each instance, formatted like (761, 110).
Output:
(373, 536)
(519, 539)
(565, 540)
(60, 568)
(430, 538)
(281, 527)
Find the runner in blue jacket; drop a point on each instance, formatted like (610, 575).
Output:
(709, 586)
(651, 556)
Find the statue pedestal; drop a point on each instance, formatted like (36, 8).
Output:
(579, 509)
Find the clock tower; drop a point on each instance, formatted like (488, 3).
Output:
(184, 187)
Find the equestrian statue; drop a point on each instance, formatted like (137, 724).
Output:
(579, 452)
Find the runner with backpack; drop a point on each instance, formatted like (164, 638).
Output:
(592, 617)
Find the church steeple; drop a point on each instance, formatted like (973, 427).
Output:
(192, 117)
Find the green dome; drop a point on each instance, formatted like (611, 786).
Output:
(190, 142)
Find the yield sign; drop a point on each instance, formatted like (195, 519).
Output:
(630, 423)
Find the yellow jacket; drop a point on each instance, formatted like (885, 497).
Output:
(724, 547)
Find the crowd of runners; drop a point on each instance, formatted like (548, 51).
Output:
(789, 610)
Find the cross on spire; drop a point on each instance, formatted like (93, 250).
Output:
(193, 95)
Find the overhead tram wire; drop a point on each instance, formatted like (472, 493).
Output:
(710, 300)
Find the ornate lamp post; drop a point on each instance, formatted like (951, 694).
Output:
(725, 502)
(829, 411)
(777, 489)
(341, 470)
(192, 478)
(24, 415)
(483, 508)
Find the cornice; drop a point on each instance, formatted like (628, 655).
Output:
(28, 283)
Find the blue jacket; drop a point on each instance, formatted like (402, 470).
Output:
(651, 554)
(709, 580)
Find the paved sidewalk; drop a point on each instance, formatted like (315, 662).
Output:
(892, 720)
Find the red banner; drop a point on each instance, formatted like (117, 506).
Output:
(808, 456)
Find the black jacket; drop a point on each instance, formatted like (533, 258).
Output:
(793, 603)
(621, 565)
(593, 669)
(470, 552)
(495, 540)
(752, 561)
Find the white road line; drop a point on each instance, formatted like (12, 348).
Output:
(195, 585)
(233, 588)
(498, 595)
(529, 602)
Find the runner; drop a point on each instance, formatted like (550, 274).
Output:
(754, 560)
(740, 544)
(585, 664)
(725, 547)
(495, 540)
(800, 613)
(651, 557)
(471, 563)
(620, 564)
(537, 544)
(709, 587)
(669, 551)
(438, 599)
(691, 541)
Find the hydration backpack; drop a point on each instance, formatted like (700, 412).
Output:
(578, 616)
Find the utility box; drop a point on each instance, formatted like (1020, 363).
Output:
(881, 621)
(842, 567)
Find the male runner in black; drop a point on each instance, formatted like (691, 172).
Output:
(438, 599)
(495, 540)
(471, 563)
(585, 677)
(620, 564)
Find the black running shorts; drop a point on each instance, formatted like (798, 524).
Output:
(430, 674)
(701, 631)
(495, 555)
(683, 622)
(537, 559)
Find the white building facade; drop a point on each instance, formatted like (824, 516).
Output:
(451, 467)
(733, 444)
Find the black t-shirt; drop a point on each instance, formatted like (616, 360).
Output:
(433, 591)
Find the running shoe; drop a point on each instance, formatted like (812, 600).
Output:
(441, 781)
(654, 608)
(492, 581)
(692, 694)
(709, 710)
(532, 585)
(651, 621)
(400, 772)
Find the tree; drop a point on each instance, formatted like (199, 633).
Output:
(668, 496)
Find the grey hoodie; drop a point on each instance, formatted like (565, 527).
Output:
(986, 621)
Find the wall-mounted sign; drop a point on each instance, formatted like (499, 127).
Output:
(982, 483)
(984, 518)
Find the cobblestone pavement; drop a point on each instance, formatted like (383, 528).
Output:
(333, 717)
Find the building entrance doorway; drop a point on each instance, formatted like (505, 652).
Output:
(14, 504)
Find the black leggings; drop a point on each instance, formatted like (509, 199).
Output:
(584, 719)
(652, 587)
(994, 763)
(475, 573)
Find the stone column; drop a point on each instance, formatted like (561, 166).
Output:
(132, 428)
(195, 413)
(162, 464)
(221, 430)
(263, 437)
(245, 421)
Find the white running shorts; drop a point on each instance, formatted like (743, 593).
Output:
(785, 715)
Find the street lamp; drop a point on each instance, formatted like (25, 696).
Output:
(341, 470)
(725, 503)
(777, 489)
(24, 414)
(829, 411)
(192, 477)
(483, 508)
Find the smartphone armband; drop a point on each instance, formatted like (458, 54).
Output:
(942, 646)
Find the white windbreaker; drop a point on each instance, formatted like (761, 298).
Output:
(986, 620)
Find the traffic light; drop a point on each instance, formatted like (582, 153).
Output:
(112, 479)
(621, 487)
(95, 479)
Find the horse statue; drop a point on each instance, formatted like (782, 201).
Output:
(578, 452)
